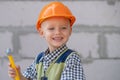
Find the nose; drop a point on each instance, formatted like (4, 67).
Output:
(57, 31)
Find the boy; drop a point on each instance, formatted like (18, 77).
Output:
(57, 62)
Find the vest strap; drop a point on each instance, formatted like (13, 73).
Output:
(63, 57)
(39, 57)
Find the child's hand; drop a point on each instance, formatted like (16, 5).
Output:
(11, 71)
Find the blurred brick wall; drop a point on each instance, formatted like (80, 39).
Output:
(96, 35)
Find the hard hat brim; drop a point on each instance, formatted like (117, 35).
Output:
(71, 18)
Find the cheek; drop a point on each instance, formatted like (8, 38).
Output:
(46, 34)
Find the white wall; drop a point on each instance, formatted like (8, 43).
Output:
(96, 35)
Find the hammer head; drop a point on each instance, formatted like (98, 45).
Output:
(8, 51)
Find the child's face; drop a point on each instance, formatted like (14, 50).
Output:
(56, 31)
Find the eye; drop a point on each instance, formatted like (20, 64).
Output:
(64, 27)
(51, 28)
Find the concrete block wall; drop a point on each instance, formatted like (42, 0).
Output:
(96, 35)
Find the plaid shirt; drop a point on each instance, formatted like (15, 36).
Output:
(72, 71)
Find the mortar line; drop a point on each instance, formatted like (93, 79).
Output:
(76, 29)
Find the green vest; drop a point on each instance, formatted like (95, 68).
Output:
(56, 67)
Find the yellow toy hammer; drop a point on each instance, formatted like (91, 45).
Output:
(8, 52)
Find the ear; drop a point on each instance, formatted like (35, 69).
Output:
(41, 32)
(70, 31)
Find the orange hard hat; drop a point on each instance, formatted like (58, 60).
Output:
(54, 9)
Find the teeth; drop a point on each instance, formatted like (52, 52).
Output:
(57, 38)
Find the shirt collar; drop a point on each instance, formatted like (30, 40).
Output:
(51, 56)
(60, 49)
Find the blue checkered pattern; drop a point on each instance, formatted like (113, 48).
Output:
(72, 71)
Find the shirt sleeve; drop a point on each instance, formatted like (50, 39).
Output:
(30, 72)
(73, 69)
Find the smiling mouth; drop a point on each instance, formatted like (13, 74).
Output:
(57, 38)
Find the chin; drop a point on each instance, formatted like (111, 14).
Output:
(57, 46)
